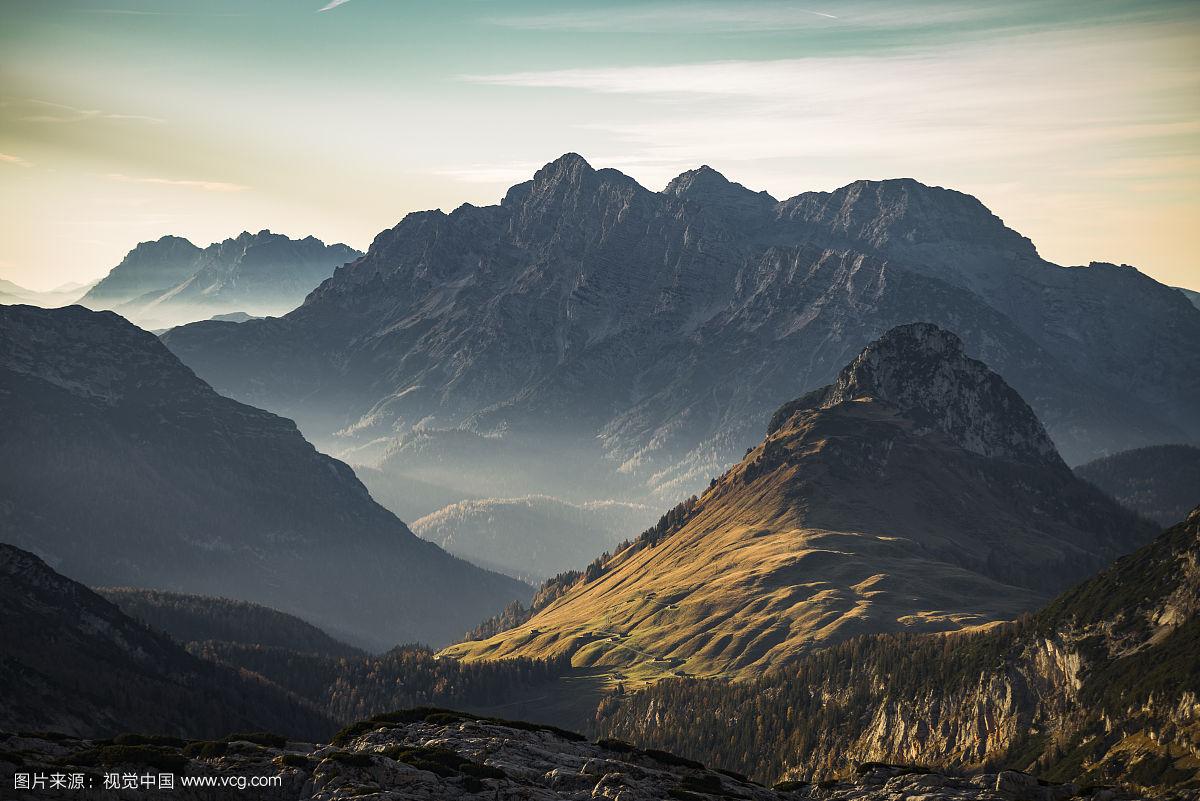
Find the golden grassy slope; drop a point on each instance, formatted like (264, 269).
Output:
(771, 565)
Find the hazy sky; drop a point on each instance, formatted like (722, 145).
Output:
(124, 120)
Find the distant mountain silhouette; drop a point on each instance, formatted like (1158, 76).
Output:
(534, 537)
(161, 283)
(121, 468)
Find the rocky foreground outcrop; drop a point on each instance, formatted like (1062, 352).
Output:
(435, 755)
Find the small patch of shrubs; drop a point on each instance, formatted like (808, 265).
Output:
(151, 756)
(356, 759)
(205, 749)
(442, 761)
(704, 783)
(619, 746)
(667, 758)
(263, 738)
(790, 786)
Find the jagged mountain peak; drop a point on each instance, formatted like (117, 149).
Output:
(924, 372)
(706, 185)
(566, 164)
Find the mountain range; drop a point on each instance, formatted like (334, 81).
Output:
(62, 295)
(590, 338)
(918, 492)
(168, 281)
(122, 468)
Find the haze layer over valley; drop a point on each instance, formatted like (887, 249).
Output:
(590, 339)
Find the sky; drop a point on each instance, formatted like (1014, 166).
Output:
(1076, 121)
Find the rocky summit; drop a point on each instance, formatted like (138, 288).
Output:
(435, 755)
(922, 370)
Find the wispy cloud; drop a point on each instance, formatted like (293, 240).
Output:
(747, 17)
(208, 186)
(928, 111)
(45, 111)
(8, 158)
(330, 6)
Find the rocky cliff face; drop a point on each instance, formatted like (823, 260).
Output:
(1099, 687)
(148, 267)
(642, 339)
(122, 468)
(916, 493)
(162, 283)
(922, 370)
(435, 755)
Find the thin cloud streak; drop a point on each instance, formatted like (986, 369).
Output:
(332, 5)
(63, 113)
(747, 18)
(931, 111)
(208, 186)
(8, 158)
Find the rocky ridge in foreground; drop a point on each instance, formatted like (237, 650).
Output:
(436, 755)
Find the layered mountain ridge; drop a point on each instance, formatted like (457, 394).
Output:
(170, 280)
(640, 340)
(918, 492)
(123, 468)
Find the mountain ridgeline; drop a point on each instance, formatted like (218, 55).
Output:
(589, 338)
(122, 468)
(168, 281)
(917, 492)
(197, 618)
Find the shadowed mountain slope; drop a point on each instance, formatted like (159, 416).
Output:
(72, 662)
(122, 468)
(1161, 482)
(918, 492)
(190, 618)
